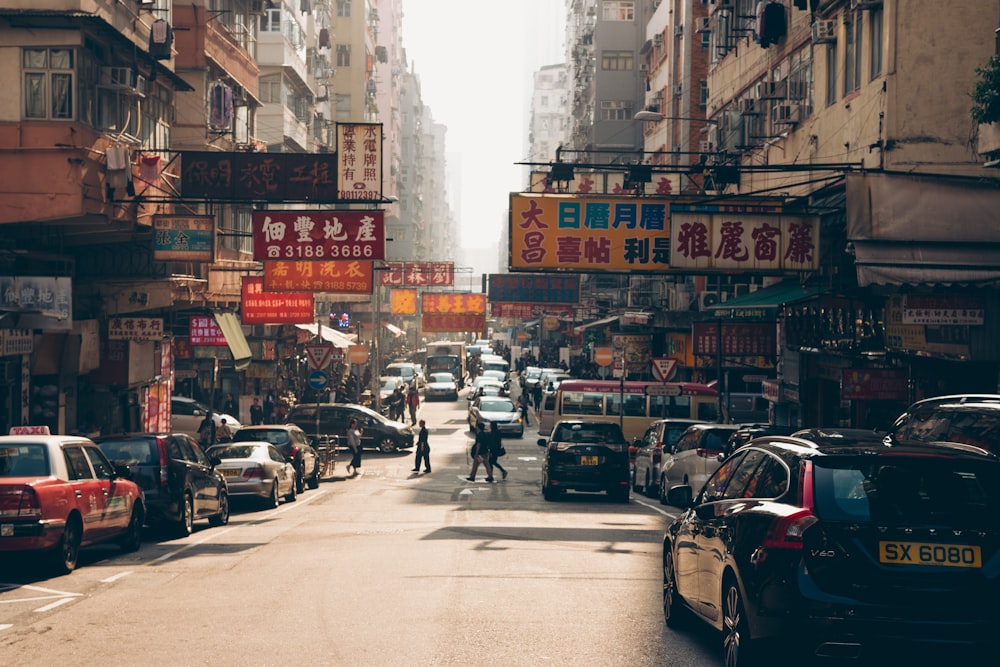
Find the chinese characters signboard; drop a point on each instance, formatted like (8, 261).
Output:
(318, 235)
(135, 328)
(204, 330)
(359, 161)
(418, 274)
(449, 322)
(940, 340)
(454, 302)
(874, 384)
(527, 311)
(403, 301)
(343, 276)
(274, 177)
(183, 238)
(534, 289)
(576, 234)
(742, 241)
(260, 307)
(45, 302)
(951, 310)
(752, 345)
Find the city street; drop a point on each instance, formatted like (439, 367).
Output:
(387, 568)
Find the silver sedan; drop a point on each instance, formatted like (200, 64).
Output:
(255, 470)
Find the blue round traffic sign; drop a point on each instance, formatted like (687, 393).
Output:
(318, 379)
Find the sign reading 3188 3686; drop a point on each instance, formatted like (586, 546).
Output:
(319, 236)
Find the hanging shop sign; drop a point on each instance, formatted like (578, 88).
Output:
(744, 241)
(318, 236)
(260, 307)
(942, 310)
(417, 274)
(454, 302)
(183, 238)
(270, 177)
(350, 277)
(403, 301)
(753, 345)
(527, 311)
(135, 328)
(543, 288)
(41, 302)
(874, 384)
(204, 330)
(452, 322)
(359, 161)
(16, 341)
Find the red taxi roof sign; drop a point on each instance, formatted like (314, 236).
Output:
(30, 430)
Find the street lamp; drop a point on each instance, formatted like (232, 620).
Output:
(656, 116)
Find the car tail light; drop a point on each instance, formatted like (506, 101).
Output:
(706, 453)
(295, 452)
(657, 453)
(786, 532)
(20, 503)
(254, 472)
(161, 445)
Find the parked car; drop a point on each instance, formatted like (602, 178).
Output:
(498, 375)
(747, 432)
(660, 437)
(59, 493)
(833, 436)
(389, 384)
(441, 385)
(187, 415)
(585, 456)
(551, 377)
(176, 477)
(294, 445)
(695, 455)
(377, 431)
(256, 470)
(499, 411)
(838, 549)
(972, 419)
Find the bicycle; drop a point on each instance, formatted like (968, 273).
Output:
(327, 447)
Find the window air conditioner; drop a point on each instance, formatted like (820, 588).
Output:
(824, 31)
(786, 113)
(679, 29)
(708, 299)
(705, 146)
(658, 39)
(678, 90)
(117, 77)
(749, 106)
(643, 67)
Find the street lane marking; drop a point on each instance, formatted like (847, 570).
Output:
(670, 514)
(4, 626)
(53, 605)
(116, 577)
(49, 593)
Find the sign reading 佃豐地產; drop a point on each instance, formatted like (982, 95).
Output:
(314, 236)
(260, 307)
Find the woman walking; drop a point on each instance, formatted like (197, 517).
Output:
(354, 444)
(496, 450)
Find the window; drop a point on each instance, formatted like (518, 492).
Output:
(344, 8)
(582, 403)
(831, 74)
(743, 474)
(663, 407)
(343, 55)
(76, 463)
(270, 90)
(616, 110)
(852, 56)
(270, 21)
(635, 405)
(102, 469)
(622, 61)
(716, 485)
(703, 93)
(618, 10)
(875, 28)
(48, 83)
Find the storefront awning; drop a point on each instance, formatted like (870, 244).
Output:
(329, 334)
(596, 323)
(396, 331)
(764, 303)
(237, 342)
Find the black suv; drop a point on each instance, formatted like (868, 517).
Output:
(971, 419)
(293, 444)
(377, 431)
(836, 549)
(174, 474)
(585, 456)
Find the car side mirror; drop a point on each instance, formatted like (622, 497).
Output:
(680, 496)
(122, 471)
(721, 457)
(541, 442)
(214, 460)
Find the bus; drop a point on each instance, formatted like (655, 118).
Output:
(644, 402)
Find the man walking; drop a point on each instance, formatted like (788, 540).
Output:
(481, 454)
(423, 449)
(496, 449)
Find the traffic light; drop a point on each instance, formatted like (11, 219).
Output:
(343, 320)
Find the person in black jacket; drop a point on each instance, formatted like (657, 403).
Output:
(423, 449)
(481, 454)
(496, 446)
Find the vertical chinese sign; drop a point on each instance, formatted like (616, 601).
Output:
(359, 161)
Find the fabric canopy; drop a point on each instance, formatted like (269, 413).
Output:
(595, 323)
(329, 334)
(764, 303)
(237, 342)
(394, 329)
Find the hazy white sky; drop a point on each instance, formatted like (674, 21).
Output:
(475, 61)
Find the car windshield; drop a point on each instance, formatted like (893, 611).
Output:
(131, 451)
(895, 489)
(497, 406)
(400, 371)
(232, 451)
(442, 377)
(24, 460)
(965, 424)
(272, 435)
(599, 433)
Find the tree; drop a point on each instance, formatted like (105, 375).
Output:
(986, 94)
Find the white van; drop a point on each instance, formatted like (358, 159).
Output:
(546, 413)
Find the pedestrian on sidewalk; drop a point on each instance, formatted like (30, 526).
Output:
(423, 449)
(412, 401)
(354, 444)
(496, 449)
(481, 454)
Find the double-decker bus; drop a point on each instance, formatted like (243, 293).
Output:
(634, 404)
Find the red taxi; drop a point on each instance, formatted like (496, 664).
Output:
(59, 493)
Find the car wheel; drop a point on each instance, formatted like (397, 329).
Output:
(273, 500)
(222, 518)
(663, 490)
(548, 492)
(67, 552)
(736, 645)
(185, 523)
(132, 539)
(291, 495)
(386, 445)
(673, 608)
(619, 495)
(313, 481)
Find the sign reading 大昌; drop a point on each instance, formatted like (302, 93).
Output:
(318, 236)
